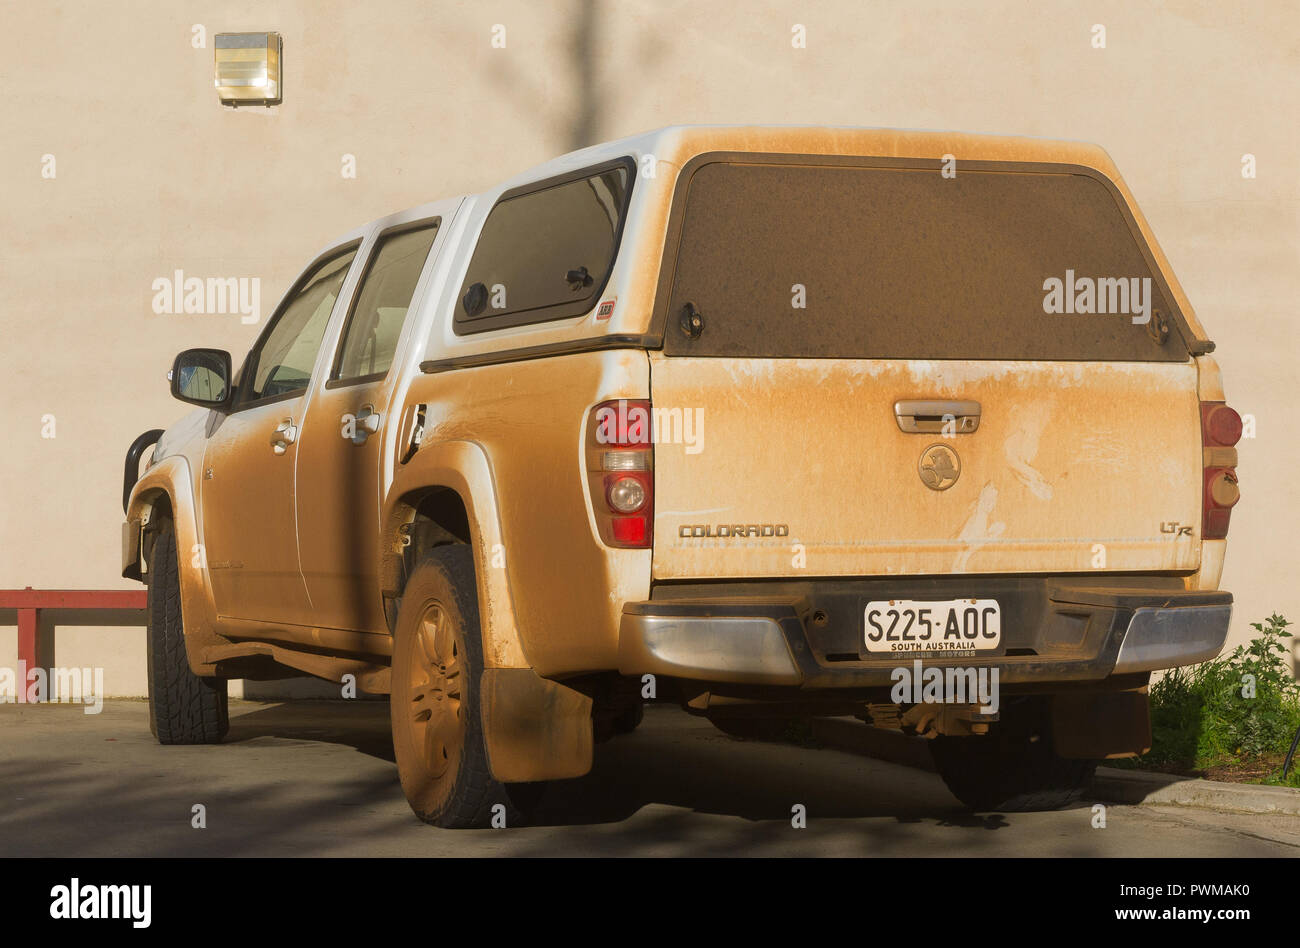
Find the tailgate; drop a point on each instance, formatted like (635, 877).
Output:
(802, 469)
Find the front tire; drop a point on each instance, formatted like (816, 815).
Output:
(184, 708)
(438, 742)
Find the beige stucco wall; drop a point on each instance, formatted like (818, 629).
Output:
(154, 176)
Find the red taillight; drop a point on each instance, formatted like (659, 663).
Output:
(1220, 431)
(620, 475)
(632, 532)
(624, 423)
(1220, 425)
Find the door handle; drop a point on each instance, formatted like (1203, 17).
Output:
(919, 416)
(357, 428)
(285, 434)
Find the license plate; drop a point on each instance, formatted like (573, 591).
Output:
(947, 625)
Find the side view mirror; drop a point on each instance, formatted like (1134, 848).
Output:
(202, 377)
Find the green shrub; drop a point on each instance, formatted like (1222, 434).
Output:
(1236, 710)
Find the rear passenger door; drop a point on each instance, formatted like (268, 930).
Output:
(341, 454)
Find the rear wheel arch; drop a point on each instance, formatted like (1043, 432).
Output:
(439, 516)
(420, 520)
(446, 495)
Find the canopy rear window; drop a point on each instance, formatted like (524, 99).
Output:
(791, 260)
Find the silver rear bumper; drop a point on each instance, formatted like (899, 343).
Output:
(740, 649)
(1167, 638)
(758, 642)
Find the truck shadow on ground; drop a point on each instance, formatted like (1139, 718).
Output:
(361, 725)
(673, 759)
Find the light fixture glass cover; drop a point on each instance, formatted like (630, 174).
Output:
(247, 68)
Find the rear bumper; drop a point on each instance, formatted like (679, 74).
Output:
(809, 637)
(1167, 637)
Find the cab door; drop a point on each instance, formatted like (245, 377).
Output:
(250, 539)
(340, 452)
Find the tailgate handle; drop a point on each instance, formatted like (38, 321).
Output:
(925, 415)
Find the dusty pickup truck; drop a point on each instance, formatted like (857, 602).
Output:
(761, 421)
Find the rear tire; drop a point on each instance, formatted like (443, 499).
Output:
(184, 708)
(753, 727)
(442, 759)
(629, 719)
(1013, 768)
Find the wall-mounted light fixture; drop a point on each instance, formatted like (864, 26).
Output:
(248, 68)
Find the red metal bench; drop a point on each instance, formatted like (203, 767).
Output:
(29, 603)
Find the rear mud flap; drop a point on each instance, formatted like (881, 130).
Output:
(535, 729)
(1098, 725)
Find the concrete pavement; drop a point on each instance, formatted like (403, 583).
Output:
(317, 779)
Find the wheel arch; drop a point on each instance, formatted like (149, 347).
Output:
(446, 494)
(534, 728)
(166, 492)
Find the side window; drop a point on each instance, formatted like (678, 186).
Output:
(545, 254)
(381, 301)
(283, 358)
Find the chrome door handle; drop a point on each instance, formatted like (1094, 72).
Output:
(285, 434)
(357, 428)
(918, 416)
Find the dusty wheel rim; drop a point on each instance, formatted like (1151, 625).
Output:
(436, 708)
